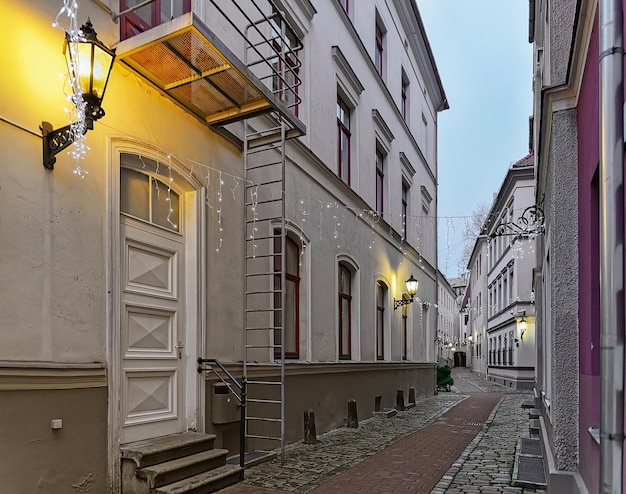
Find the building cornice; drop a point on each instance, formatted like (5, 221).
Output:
(26, 376)
(309, 368)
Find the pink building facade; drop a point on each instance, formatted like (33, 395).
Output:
(567, 282)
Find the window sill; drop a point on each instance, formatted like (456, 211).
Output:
(594, 432)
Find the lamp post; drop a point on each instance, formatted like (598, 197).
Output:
(89, 64)
(411, 288)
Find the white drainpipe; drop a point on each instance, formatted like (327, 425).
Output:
(611, 245)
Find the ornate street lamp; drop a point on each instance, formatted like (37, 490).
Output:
(89, 63)
(411, 289)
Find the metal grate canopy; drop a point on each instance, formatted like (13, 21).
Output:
(188, 62)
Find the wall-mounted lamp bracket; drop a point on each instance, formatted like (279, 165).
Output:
(530, 222)
(401, 302)
(55, 141)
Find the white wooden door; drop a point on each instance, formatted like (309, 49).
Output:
(152, 326)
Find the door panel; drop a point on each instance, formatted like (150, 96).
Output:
(151, 330)
(150, 395)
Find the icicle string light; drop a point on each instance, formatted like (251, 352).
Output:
(170, 209)
(219, 212)
(305, 208)
(254, 199)
(77, 113)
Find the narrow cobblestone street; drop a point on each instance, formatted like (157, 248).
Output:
(458, 442)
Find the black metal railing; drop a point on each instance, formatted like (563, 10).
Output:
(208, 365)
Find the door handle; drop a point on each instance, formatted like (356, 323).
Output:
(179, 347)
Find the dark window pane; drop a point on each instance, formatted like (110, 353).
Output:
(134, 194)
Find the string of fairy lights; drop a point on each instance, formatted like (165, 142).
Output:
(333, 216)
(77, 110)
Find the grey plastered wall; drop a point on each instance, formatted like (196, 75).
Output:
(561, 20)
(562, 203)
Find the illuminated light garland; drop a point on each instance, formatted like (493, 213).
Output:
(77, 114)
(219, 211)
(170, 210)
(254, 199)
(364, 214)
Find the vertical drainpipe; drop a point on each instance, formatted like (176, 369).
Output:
(611, 245)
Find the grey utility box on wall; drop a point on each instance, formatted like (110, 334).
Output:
(224, 405)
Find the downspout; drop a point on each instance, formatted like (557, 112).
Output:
(611, 245)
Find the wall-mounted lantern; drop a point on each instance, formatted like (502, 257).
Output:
(522, 327)
(411, 289)
(90, 65)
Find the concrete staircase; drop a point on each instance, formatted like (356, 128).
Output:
(185, 463)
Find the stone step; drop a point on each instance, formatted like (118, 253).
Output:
(535, 413)
(204, 483)
(252, 458)
(174, 470)
(528, 470)
(534, 426)
(529, 404)
(166, 448)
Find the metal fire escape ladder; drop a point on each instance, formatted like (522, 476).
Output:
(264, 146)
(248, 93)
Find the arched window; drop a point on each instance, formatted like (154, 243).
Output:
(147, 198)
(405, 329)
(292, 297)
(381, 297)
(345, 311)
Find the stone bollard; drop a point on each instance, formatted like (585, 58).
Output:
(310, 436)
(377, 403)
(412, 396)
(353, 420)
(400, 400)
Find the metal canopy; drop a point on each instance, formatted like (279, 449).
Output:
(187, 61)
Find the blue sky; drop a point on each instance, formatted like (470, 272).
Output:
(485, 63)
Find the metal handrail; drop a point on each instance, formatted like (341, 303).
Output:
(241, 397)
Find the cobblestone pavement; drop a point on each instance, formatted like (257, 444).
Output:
(479, 465)
(486, 464)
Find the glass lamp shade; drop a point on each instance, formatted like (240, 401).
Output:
(89, 61)
(411, 285)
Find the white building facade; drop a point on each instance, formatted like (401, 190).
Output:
(447, 336)
(510, 264)
(474, 307)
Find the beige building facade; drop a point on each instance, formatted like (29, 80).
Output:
(123, 268)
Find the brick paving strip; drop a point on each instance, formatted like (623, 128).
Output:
(417, 462)
(382, 456)
(308, 466)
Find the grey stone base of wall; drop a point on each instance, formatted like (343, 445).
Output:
(521, 384)
(559, 480)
